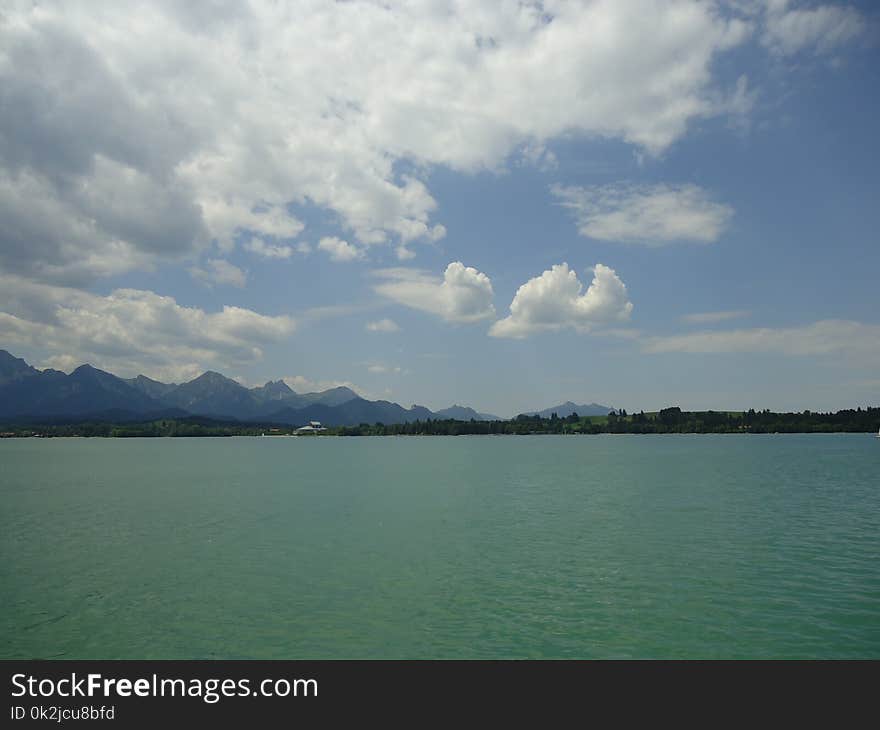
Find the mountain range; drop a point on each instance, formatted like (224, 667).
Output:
(29, 394)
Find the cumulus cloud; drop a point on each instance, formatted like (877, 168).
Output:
(268, 250)
(217, 122)
(856, 340)
(404, 253)
(339, 250)
(652, 215)
(71, 230)
(711, 317)
(383, 325)
(131, 331)
(227, 218)
(463, 295)
(553, 301)
(823, 28)
(220, 271)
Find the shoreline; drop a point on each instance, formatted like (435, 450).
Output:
(672, 420)
(444, 435)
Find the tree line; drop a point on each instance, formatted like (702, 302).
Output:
(667, 420)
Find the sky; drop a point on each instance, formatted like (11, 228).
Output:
(500, 204)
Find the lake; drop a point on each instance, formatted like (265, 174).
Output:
(684, 546)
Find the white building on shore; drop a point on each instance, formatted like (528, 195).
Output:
(313, 427)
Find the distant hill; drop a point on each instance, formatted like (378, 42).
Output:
(274, 390)
(51, 393)
(31, 395)
(213, 394)
(464, 413)
(216, 396)
(150, 387)
(352, 413)
(332, 397)
(564, 410)
(13, 369)
(278, 392)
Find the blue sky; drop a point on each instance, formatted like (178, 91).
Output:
(279, 192)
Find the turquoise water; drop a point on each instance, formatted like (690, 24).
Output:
(483, 547)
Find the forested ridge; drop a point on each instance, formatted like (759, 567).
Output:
(667, 420)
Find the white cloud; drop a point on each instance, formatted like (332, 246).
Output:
(711, 317)
(653, 215)
(553, 301)
(71, 230)
(220, 271)
(463, 295)
(383, 325)
(404, 253)
(856, 340)
(131, 134)
(269, 250)
(539, 156)
(226, 218)
(131, 331)
(822, 28)
(340, 250)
